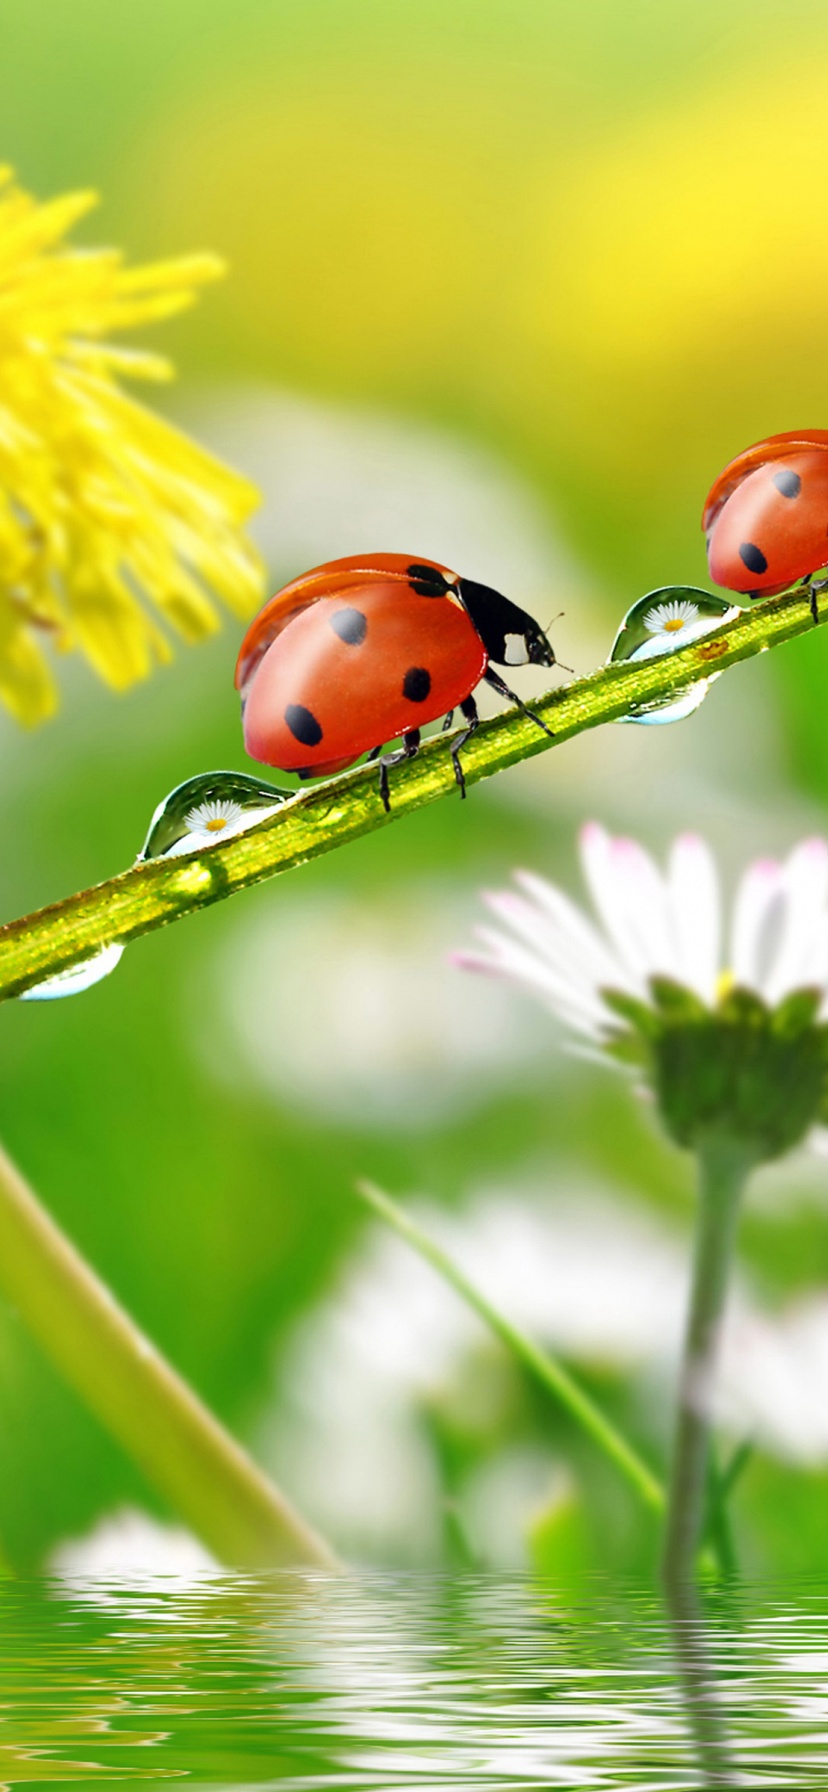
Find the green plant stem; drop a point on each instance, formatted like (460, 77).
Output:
(152, 894)
(723, 1170)
(551, 1375)
(185, 1453)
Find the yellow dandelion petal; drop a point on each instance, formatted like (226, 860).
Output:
(135, 363)
(117, 635)
(26, 684)
(106, 511)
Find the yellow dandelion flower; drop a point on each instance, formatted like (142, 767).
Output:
(105, 509)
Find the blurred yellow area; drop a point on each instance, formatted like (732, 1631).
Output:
(625, 300)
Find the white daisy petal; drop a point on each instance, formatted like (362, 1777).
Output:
(599, 872)
(756, 896)
(512, 970)
(696, 910)
(631, 898)
(579, 959)
(576, 934)
(798, 961)
(561, 982)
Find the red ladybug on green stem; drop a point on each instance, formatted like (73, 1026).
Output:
(363, 650)
(766, 516)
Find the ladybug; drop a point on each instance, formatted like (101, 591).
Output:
(766, 516)
(363, 650)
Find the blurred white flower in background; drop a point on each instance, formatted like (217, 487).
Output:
(345, 1424)
(380, 1032)
(134, 1550)
(339, 480)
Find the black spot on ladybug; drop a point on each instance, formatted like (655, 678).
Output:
(788, 483)
(753, 557)
(416, 684)
(427, 581)
(350, 625)
(303, 725)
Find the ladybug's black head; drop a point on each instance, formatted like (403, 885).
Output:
(509, 635)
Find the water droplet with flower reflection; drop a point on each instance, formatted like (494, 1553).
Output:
(207, 809)
(196, 814)
(661, 623)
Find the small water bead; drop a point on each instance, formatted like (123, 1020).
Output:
(661, 623)
(77, 978)
(209, 808)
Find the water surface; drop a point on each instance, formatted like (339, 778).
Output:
(386, 1681)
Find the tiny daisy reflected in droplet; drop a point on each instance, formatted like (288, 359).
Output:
(661, 623)
(207, 809)
(671, 619)
(210, 819)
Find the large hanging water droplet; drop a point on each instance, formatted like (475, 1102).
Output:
(660, 623)
(196, 814)
(77, 978)
(207, 809)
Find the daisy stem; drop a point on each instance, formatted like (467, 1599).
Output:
(552, 1376)
(181, 1447)
(723, 1166)
(332, 814)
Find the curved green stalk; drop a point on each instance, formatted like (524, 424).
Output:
(152, 894)
(182, 1448)
(552, 1376)
(724, 1166)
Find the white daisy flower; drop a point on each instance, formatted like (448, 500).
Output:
(600, 973)
(653, 923)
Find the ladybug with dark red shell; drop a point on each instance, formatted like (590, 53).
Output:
(766, 516)
(363, 650)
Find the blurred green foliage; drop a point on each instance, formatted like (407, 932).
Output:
(591, 238)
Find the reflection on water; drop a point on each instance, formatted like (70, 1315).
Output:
(398, 1681)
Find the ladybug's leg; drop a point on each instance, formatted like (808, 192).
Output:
(497, 683)
(410, 746)
(469, 710)
(447, 721)
(815, 586)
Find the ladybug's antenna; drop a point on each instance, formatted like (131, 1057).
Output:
(549, 625)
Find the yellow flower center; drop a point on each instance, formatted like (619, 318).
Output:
(675, 623)
(725, 982)
(216, 823)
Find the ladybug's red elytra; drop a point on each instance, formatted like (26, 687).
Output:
(363, 650)
(766, 516)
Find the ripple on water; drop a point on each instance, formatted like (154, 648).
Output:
(386, 1681)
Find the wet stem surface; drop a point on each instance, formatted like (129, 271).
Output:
(153, 894)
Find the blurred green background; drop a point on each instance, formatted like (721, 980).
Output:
(509, 281)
